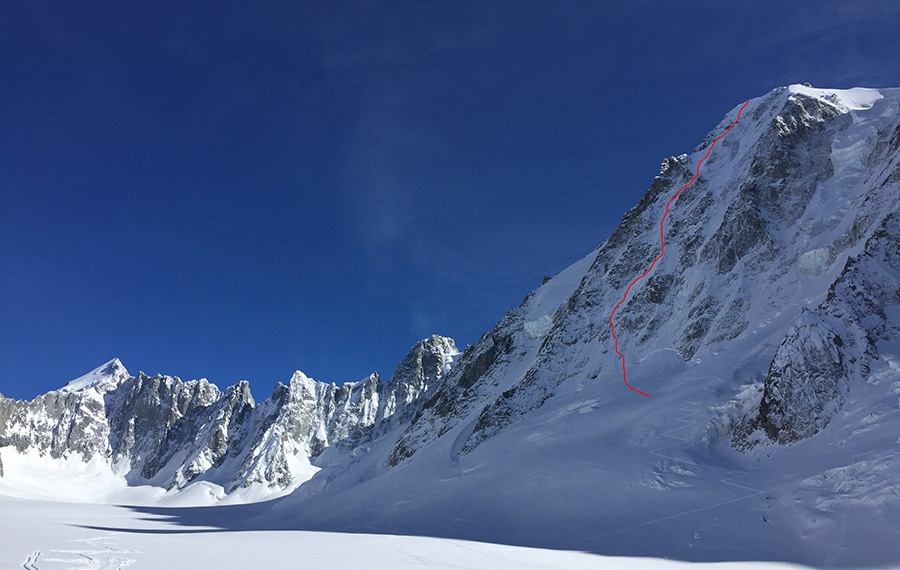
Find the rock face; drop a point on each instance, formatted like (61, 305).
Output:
(164, 431)
(64, 422)
(788, 242)
(828, 349)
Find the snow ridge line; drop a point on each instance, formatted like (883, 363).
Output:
(662, 243)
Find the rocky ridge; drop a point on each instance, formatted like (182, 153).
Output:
(163, 431)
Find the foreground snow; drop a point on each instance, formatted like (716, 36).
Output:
(53, 536)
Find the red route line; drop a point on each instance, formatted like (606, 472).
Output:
(662, 243)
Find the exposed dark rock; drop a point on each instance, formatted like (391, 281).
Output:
(813, 368)
(742, 230)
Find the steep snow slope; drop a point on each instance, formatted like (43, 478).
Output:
(764, 232)
(102, 379)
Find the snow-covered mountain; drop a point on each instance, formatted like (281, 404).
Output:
(768, 338)
(791, 232)
(165, 432)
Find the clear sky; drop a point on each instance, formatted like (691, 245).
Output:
(235, 190)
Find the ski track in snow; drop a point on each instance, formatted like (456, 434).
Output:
(688, 420)
(100, 555)
(31, 562)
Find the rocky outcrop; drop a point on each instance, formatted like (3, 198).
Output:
(815, 366)
(65, 422)
(414, 382)
(467, 385)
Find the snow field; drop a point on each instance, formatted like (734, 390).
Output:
(40, 535)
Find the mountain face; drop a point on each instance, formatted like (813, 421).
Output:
(791, 227)
(768, 338)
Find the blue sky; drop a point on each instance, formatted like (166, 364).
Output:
(238, 190)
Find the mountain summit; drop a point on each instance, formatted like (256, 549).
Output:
(768, 336)
(104, 378)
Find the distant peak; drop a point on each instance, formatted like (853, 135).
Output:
(105, 378)
(438, 342)
(114, 365)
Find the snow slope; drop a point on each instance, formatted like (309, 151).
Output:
(856, 99)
